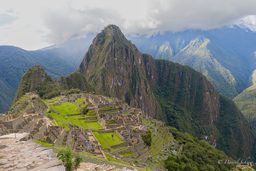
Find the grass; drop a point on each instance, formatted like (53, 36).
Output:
(105, 139)
(74, 120)
(119, 149)
(128, 154)
(108, 138)
(90, 125)
(47, 144)
(65, 108)
(101, 140)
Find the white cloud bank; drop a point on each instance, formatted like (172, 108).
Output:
(32, 24)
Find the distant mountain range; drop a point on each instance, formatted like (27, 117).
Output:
(57, 60)
(225, 56)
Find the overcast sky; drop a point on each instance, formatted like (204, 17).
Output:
(34, 24)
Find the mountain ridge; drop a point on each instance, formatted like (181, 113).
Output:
(174, 93)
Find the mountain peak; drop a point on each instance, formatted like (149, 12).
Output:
(33, 77)
(110, 33)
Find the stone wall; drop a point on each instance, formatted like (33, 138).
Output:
(145, 150)
(69, 140)
(41, 132)
(28, 127)
(105, 131)
(118, 145)
(157, 167)
(120, 136)
(60, 138)
(109, 126)
(125, 151)
(139, 146)
(14, 123)
(74, 114)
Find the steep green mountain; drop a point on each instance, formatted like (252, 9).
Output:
(246, 103)
(226, 65)
(115, 67)
(75, 80)
(35, 79)
(177, 94)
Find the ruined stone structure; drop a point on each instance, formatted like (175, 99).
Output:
(113, 115)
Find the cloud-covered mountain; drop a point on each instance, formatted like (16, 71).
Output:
(224, 56)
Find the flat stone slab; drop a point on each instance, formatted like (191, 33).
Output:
(18, 135)
(27, 155)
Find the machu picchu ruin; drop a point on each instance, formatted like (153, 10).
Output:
(101, 126)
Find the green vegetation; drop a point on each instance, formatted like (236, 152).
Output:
(70, 162)
(111, 140)
(75, 81)
(84, 110)
(106, 140)
(111, 121)
(66, 108)
(147, 138)
(246, 103)
(196, 155)
(128, 154)
(91, 125)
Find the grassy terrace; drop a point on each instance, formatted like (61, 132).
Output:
(90, 125)
(65, 108)
(105, 109)
(105, 139)
(80, 102)
(71, 108)
(128, 154)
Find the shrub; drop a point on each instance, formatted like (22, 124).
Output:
(112, 121)
(85, 110)
(42, 140)
(49, 116)
(147, 138)
(71, 162)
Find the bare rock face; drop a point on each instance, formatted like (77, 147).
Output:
(27, 155)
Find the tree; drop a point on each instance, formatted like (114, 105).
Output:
(85, 110)
(147, 138)
(70, 162)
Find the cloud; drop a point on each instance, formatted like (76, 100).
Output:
(143, 17)
(177, 15)
(65, 23)
(6, 19)
(53, 21)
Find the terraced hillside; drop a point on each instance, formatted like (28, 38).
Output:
(106, 118)
(101, 128)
